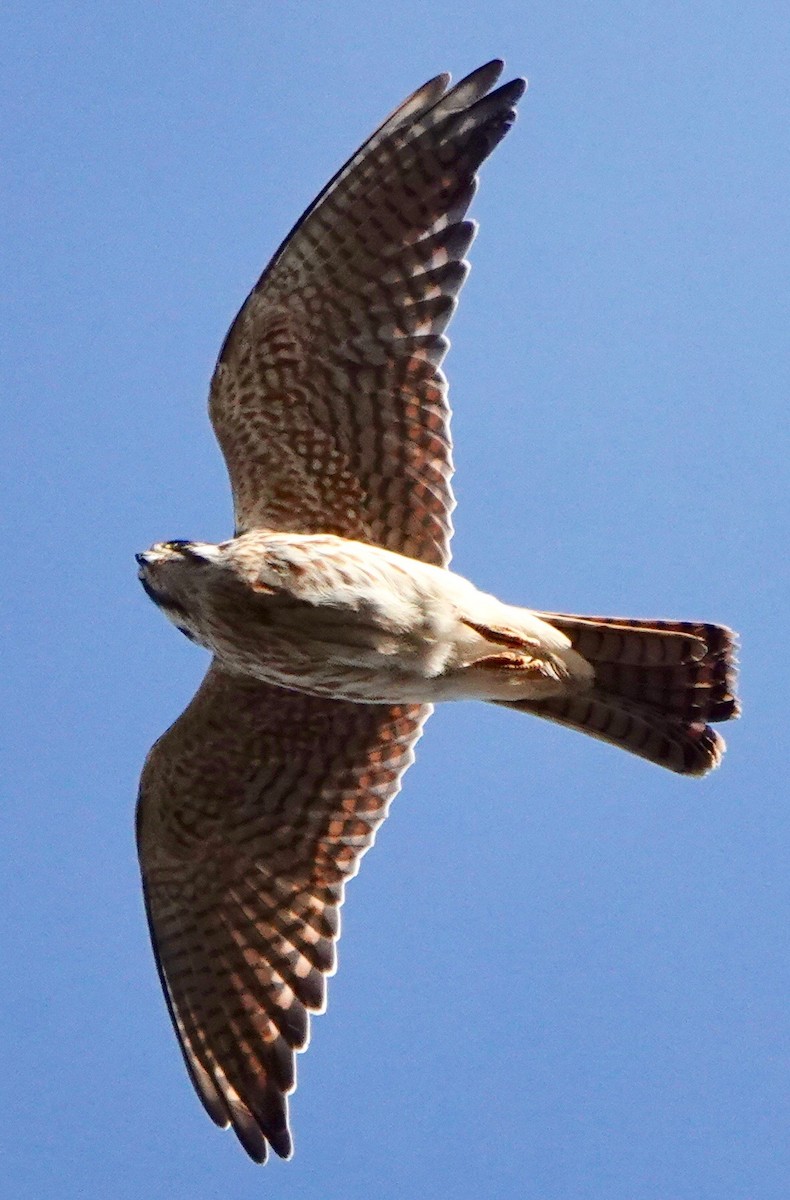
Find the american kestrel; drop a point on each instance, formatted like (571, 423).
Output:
(333, 619)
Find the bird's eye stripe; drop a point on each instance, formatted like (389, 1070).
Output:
(163, 601)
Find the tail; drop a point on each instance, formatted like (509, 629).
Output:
(657, 685)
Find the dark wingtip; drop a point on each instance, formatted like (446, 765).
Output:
(281, 1143)
(518, 87)
(476, 88)
(486, 75)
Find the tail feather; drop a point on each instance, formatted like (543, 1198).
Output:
(657, 686)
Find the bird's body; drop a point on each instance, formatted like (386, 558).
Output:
(332, 616)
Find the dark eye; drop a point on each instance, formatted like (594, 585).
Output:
(178, 544)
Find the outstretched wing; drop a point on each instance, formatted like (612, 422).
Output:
(328, 399)
(331, 410)
(255, 808)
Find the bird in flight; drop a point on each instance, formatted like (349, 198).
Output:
(333, 619)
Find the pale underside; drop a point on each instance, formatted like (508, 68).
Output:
(331, 410)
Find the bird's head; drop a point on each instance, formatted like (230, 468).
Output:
(174, 575)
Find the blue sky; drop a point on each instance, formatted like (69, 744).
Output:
(563, 973)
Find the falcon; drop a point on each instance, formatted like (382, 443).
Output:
(333, 619)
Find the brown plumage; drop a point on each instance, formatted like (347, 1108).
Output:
(256, 806)
(332, 617)
(657, 685)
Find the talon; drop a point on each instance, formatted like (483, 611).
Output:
(504, 662)
(502, 636)
(526, 665)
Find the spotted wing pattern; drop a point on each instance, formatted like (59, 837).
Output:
(255, 808)
(328, 399)
(331, 410)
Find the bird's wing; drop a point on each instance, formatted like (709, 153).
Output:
(328, 399)
(255, 808)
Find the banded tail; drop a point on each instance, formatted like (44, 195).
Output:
(657, 686)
